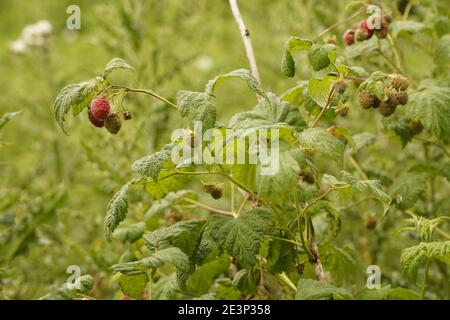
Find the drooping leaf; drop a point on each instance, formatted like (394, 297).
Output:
(241, 237)
(281, 257)
(75, 97)
(413, 258)
(129, 234)
(320, 55)
(399, 27)
(185, 235)
(292, 45)
(171, 255)
(117, 209)
(115, 64)
(243, 74)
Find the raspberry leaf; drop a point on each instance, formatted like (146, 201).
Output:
(292, 45)
(322, 142)
(241, 237)
(116, 64)
(308, 289)
(431, 106)
(321, 55)
(117, 208)
(151, 165)
(412, 258)
(74, 96)
(133, 285)
(197, 106)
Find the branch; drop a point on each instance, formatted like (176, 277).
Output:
(324, 108)
(337, 24)
(245, 34)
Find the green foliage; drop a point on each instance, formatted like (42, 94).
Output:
(322, 142)
(241, 237)
(133, 285)
(414, 257)
(308, 289)
(431, 106)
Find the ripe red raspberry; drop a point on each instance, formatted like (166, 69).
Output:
(349, 37)
(96, 122)
(100, 108)
(364, 27)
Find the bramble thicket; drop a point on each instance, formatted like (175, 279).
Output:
(356, 91)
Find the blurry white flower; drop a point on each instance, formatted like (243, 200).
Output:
(43, 27)
(35, 34)
(204, 63)
(18, 46)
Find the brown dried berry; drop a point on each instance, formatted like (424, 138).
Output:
(402, 97)
(300, 268)
(127, 115)
(368, 100)
(113, 123)
(214, 189)
(387, 108)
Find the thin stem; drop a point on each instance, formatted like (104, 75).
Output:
(396, 68)
(358, 168)
(231, 197)
(425, 280)
(337, 24)
(286, 240)
(242, 205)
(149, 92)
(206, 207)
(245, 34)
(324, 108)
(396, 53)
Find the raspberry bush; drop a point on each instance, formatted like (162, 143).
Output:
(363, 173)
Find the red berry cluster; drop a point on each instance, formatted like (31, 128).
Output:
(362, 31)
(100, 115)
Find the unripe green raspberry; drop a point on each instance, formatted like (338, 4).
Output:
(113, 123)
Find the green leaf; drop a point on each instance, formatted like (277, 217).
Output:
(372, 187)
(408, 188)
(281, 257)
(363, 139)
(203, 277)
(245, 281)
(402, 128)
(319, 55)
(172, 198)
(74, 96)
(431, 106)
(320, 89)
(399, 28)
(196, 106)
(117, 209)
(241, 237)
(442, 52)
(243, 74)
(276, 187)
(115, 64)
(129, 234)
(412, 258)
(172, 255)
(308, 289)
(133, 285)
(295, 95)
(168, 181)
(166, 288)
(292, 45)
(374, 294)
(185, 235)
(322, 142)
(151, 165)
